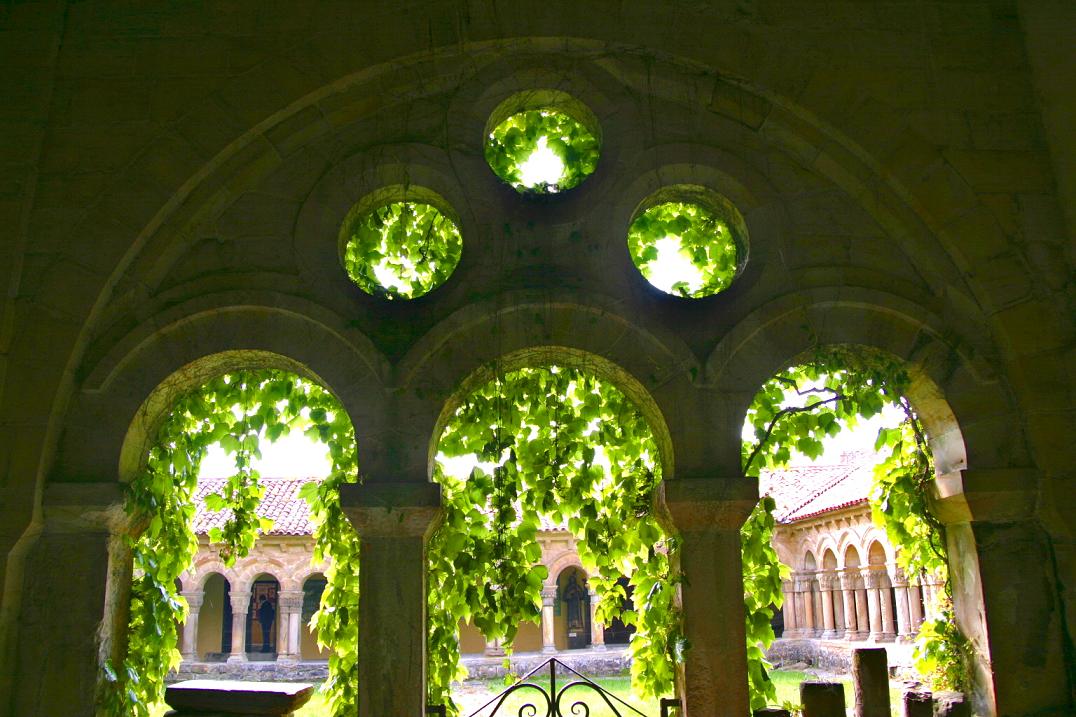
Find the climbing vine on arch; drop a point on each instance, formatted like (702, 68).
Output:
(560, 444)
(236, 410)
(795, 412)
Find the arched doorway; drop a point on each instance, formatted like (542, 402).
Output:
(262, 618)
(214, 641)
(313, 587)
(573, 597)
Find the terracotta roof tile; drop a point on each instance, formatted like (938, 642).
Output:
(804, 491)
(800, 492)
(281, 503)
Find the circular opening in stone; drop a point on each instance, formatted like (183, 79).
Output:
(688, 241)
(400, 243)
(542, 142)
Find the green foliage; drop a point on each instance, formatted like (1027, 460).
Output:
(794, 412)
(704, 239)
(236, 410)
(513, 141)
(763, 574)
(942, 653)
(557, 444)
(402, 250)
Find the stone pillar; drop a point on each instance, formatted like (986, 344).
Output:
(788, 607)
(289, 620)
(885, 598)
(870, 682)
(848, 593)
(808, 606)
(822, 699)
(597, 630)
(549, 597)
(829, 627)
(708, 514)
(871, 579)
(915, 608)
(905, 633)
(78, 571)
(189, 648)
(918, 704)
(240, 606)
(862, 609)
(393, 521)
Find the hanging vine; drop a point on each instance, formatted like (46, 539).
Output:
(556, 444)
(236, 410)
(794, 412)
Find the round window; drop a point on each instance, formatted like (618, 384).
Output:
(401, 249)
(542, 149)
(690, 248)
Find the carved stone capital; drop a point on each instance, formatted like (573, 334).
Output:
(240, 603)
(391, 510)
(290, 600)
(829, 581)
(549, 596)
(705, 504)
(851, 579)
(194, 598)
(898, 577)
(874, 578)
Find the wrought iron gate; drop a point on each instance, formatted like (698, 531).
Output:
(555, 701)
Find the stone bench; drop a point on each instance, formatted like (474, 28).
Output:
(231, 698)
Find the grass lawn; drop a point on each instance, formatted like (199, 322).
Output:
(474, 694)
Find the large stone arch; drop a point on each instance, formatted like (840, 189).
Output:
(953, 389)
(137, 382)
(652, 369)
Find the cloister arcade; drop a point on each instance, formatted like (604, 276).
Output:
(180, 180)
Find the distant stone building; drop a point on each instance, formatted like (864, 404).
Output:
(846, 587)
(845, 584)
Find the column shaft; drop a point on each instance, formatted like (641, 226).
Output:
(828, 627)
(189, 648)
(708, 514)
(549, 596)
(392, 520)
(848, 593)
(597, 630)
(240, 605)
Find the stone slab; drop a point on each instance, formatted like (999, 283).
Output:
(229, 697)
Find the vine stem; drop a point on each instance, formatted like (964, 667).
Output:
(776, 418)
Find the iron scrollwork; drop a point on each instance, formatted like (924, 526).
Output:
(553, 702)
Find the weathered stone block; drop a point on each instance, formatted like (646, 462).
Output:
(822, 699)
(870, 679)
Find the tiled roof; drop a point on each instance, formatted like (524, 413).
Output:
(281, 503)
(804, 491)
(800, 492)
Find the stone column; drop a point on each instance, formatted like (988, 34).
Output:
(597, 630)
(889, 630)
(78, 571)
(549, 597)
(189, 648)
(788, 607)
(808, 605)
(900, 591)
(870, 681)
(862, 609)
(289, 619)
(915, 607)
(708, 514)
(240, 606)
(848, 592)
(393, 521)
(829, 628)
(874, 603)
